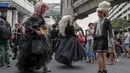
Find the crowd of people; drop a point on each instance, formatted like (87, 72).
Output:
(34, 46)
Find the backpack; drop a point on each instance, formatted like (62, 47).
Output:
(4, 30)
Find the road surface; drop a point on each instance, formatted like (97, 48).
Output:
(79, 67)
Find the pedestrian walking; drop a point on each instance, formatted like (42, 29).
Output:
(35, 50)
(127, 43)
(16, 40)
(54, 35)
(81, 38)
(101, 29)
(4, 42)
(111, 49)
(90, 34)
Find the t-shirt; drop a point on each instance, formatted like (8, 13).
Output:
(127, 35)
(81, 39)
(127, 40)
(90, 33)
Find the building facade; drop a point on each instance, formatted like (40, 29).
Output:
(54, 10)
(120, 11)
(67, 7)
(15, 10)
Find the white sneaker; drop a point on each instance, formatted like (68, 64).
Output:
(117, 60)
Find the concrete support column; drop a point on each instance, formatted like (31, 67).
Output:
(24, 18)
(15, 16)
(9, 17)
(67, 7)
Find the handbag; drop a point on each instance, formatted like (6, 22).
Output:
(38, 46)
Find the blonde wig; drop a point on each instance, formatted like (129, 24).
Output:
(65, 20)
(104, 7)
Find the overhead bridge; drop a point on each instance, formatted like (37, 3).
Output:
(82, 8)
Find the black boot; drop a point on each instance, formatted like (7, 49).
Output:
(14, 57)
(99, 71)
(29, 70)
(104, 71)
(70, 65)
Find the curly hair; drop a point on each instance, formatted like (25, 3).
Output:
(65, 20)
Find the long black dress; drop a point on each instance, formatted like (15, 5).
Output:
(69, 49)
(27, 60)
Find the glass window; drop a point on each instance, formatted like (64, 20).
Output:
(3, 13)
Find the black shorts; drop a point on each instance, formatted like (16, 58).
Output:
(100, 44)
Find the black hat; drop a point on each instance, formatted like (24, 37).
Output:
(90, 24)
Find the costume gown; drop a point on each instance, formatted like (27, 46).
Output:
(27, 60)
(68, 48)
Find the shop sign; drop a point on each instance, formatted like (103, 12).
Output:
(4, 4)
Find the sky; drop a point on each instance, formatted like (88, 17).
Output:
(82, 23)
(51, 1)
(90, 19)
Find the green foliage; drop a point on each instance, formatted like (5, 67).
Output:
(120, 23)
(34, 1)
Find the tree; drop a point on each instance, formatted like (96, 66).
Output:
(34, 1)
(117, 23)
(128, 22)
(120, 23)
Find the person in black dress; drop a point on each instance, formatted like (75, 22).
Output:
(69, 49)
(29, 61)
